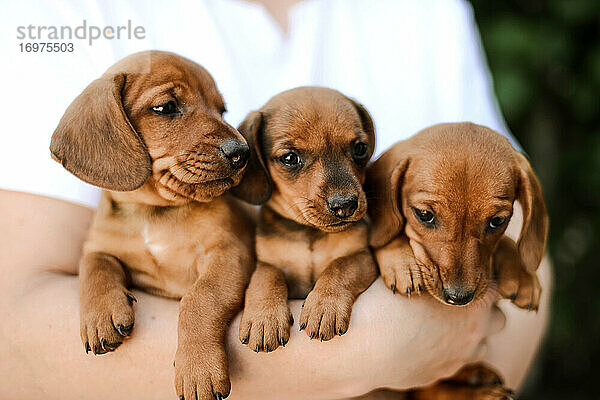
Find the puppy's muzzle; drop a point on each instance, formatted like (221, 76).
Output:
(342, 206)
(235, 152)
(457, 296)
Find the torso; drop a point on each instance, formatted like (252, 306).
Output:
(302, 252)
(162, 248)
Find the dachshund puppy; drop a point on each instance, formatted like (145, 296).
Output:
(311, 146)
(150, 132)
(439, 205)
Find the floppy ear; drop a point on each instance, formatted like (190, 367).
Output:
(367, 124)
(383, 184)
(95, 141)
(532, 240)
(255, 187)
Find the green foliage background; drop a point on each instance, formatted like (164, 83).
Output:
(545, 60)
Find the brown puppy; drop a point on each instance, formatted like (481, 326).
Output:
(440, 203)
(151, 132)
(311, 148)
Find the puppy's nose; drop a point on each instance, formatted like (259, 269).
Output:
(458, 296)
(235, 152)
(342, 206)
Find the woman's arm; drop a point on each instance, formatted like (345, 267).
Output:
(392, 341)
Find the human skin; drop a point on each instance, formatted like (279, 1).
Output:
(393, 341)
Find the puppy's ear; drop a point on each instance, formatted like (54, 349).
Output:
(255, 187)
(95, 141)
(367, 124)
(383, 186)
(532, 240)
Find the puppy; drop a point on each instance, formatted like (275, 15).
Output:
(439, 205)
(311, 146)
(150, 132)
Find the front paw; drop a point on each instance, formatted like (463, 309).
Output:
(266, 327)
(325, 315)
(403, 276)
(201, 372)
(523, 289)
(105, 320)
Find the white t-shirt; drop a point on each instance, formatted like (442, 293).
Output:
(411, 63)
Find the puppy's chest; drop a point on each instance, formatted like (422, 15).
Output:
(303, 253)
(161, 258)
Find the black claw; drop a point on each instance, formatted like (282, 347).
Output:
(291, 320)
(393, 287)
(282, 342)
(103, 344)
(257, 348)
(267, 348)
(131, 298)
(420, 288)
(312, 335)
(302, 326)
(87, 347)
(244, 340)
(181, 398)
(113, 346)
(322, 336)
(408, 291)
(513, 296)
(218, 396)
(95, 349)
(124, 330)
(339, 332)
(303, 303)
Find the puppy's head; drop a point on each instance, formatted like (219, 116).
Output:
(451, 188)
(311, 146)
(152, 124)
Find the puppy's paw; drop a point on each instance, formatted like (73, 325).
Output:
(201, 372)
(325, 315)
(266, 328)
(105, 320)
(523, 289)
(403, 276)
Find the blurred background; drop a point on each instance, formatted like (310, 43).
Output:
(545, 60)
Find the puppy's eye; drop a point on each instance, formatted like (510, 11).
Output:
(290, 160)
(425, 217)
(496, 223)
(360, 150)
(169, 109)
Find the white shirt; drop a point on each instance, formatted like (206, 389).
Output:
(411, 63)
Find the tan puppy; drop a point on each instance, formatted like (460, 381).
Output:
(440, 203)
(311, 148)
(151, 132)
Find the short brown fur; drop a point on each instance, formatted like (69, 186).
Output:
(464, 175)
(306, 247)
(163, 224)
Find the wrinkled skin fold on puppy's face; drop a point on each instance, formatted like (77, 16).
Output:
(450, 189)
(311, 146)
(152, 125)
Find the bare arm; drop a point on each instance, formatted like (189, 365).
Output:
(392, 342)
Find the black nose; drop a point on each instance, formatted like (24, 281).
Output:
(458, 296)
(342, 206)
(235, 152)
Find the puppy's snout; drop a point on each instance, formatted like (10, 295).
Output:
(236, 152)
(457, 296)
(342, 206)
